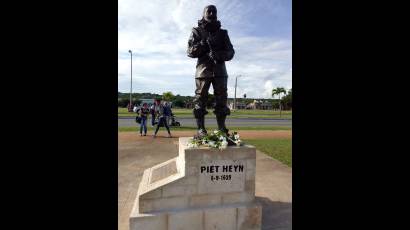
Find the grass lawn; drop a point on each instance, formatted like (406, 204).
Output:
(242, 113)
(279, 149)
(188, 128)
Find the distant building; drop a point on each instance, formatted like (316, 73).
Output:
(239, 105)
(259, 104)
(148, 101)
(266, 105)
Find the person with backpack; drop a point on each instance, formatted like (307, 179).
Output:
(160, 111)
(144, 112)
(152, 110)
(167, 112)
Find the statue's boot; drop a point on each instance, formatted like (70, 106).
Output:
(220, 119)
(221, 123)
(200, 122)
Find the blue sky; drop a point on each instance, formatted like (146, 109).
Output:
(157, 32)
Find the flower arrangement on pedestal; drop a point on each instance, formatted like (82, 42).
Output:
(216, 139)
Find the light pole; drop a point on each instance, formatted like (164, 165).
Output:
(130, 104)
(234, 99)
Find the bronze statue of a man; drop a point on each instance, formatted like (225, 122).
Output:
(212, 46)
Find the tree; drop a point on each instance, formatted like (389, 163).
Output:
(275, 104)
(136, 101)
(287, 100)
(178, 103)
(168, 96)
(278, 91)
(123, 102)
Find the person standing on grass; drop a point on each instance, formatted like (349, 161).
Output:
(144, 112)
(152, 110)
(167, 112)
(160, 111)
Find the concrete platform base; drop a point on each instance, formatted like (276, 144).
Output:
(201, 189)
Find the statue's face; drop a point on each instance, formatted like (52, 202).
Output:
(210, 13)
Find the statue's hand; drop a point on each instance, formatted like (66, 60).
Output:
(214, 56)
(210, 40)
(204, 46)
(203, 43)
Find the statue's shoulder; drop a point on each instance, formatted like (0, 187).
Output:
(199, 31)
(196, 30)
(224, 32)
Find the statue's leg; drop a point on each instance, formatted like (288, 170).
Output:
(200, 100)
(221, 108)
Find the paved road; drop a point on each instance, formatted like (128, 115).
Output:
(235, 122)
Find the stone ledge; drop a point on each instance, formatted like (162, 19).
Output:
(245, 216)
(156, 221)
(145, 186)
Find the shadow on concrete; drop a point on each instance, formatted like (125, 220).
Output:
(275, 215)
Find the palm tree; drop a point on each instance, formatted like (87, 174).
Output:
(281, 90)
(274, 92)
(168, 96)
(278, 91)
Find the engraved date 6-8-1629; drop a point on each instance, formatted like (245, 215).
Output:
(221, 177)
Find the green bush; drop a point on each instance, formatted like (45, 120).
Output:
(123, 103)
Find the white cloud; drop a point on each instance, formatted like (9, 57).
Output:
(157, 33)
(268, 86)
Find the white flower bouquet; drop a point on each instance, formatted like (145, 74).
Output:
(215, 139)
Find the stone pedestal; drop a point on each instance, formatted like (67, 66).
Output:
(201, 189)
